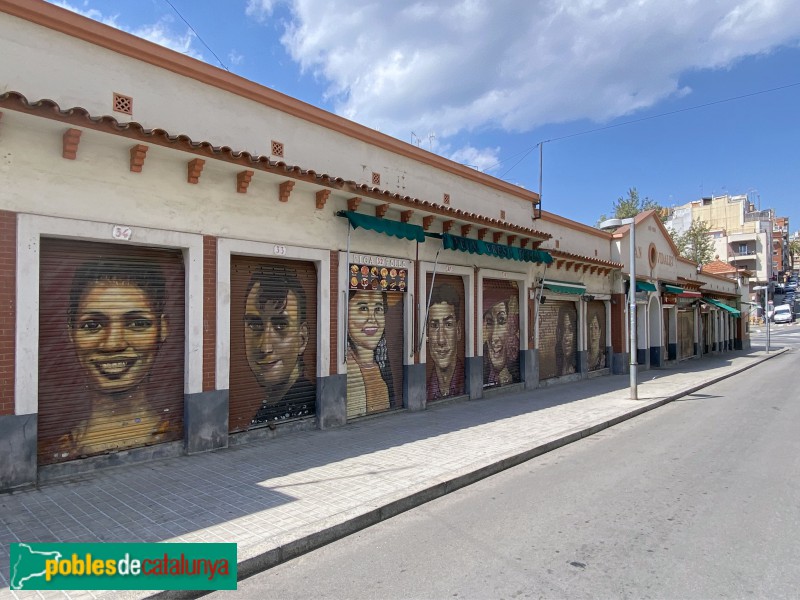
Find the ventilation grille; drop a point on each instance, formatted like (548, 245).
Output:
(123, 104)
(277, 148)
(376, 178)
(502, 215)
(446, 199)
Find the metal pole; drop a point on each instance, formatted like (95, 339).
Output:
(541, 164)
(766, 310)
(766, 292)
(430, 295)
(632, 311)
(346, 299)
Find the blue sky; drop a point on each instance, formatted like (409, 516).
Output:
(610, 86)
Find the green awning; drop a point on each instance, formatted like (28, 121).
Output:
(565, 287)
(673, 289)
(645, 286)
(455, 242)
(396, 228)
(722, 305)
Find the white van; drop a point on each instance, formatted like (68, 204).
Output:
(782, 314)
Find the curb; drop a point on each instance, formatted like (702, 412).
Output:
(275, 556)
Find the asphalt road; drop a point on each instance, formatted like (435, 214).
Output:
(780, 335)
(697, 499)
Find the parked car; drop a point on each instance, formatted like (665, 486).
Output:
(783, 314)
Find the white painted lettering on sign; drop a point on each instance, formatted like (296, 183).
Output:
(379, 261)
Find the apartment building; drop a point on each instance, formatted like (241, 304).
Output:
(741, 233)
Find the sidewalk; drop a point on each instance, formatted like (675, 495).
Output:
(280, 498)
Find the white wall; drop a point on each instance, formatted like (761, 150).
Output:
(41, 63)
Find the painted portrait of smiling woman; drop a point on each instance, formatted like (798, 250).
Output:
(117, 325)
(118, 390)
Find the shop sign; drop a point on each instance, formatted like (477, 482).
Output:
(669, 299)
(378, 278)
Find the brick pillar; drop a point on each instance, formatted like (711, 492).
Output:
(8, 313)
(209, 312)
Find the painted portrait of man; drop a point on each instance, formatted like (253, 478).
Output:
(444, 330)
(276, 334)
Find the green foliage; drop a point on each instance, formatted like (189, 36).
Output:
(631, 206)
(695, 244)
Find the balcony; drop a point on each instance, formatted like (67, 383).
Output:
(743, 236)
(742, 256)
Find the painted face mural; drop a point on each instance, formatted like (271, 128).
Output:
(275, 338)
(557, 338)
(596, 331)
(566, 338)
(500, 333)
(118, 363)
(371, 352)
(367, 321)
(272, 330)
(444, 332)
(117, 332)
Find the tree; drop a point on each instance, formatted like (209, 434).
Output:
(695, 244)
(631, 206)
(794, 250)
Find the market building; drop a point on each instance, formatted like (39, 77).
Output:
(681, 311)
(193, 261)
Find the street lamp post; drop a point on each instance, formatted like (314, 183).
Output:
(613, 224)
(766, 309)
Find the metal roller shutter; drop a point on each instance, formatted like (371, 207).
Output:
(686, 333)
(558, 337)
(501, 333)
(445, 334)
(375, 339)
(273, 341)
(111, 348)
(596, 334)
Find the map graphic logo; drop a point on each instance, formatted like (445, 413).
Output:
(28, 564)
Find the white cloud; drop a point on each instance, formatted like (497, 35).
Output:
(91, 13)
(259, 9)
(235, 58)
(481, 159)
(159, 32)
(465, 65)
